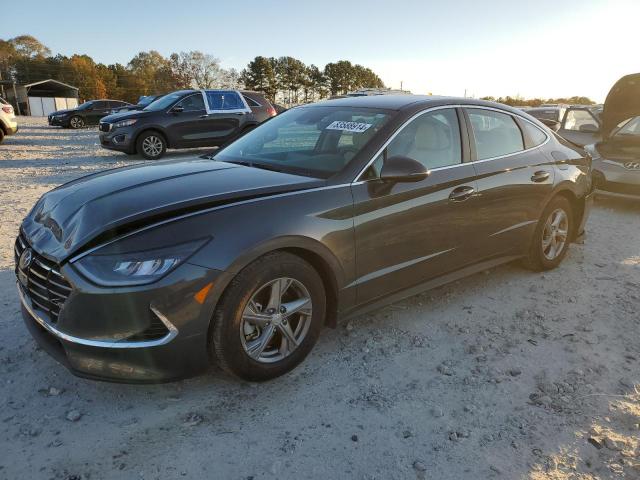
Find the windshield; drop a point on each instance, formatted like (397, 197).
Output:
(164, 102)
(312, 141)
(85, 105)
(144, 101)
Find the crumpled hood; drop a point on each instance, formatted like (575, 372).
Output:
(69, 217)
(622, 103)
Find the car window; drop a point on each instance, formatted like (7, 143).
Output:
(432, 139)
(313, 141)
(192, 103)
(536, 135)
(548, 114)
(495, 134)
(224, 100)
(251, 102)
(629, 128)
(579, 120)
(99, 105)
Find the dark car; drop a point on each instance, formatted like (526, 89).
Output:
(150, 273)
(89, 113)
(550, 115)
(143, 101)
(184, 119)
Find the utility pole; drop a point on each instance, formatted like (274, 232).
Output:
(401, 86)
(1, 85)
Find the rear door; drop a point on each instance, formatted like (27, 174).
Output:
(515, 179)
(407, 233)
(580, 127)
(227, 113)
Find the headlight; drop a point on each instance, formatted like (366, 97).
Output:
(125, 123)
(135, 268)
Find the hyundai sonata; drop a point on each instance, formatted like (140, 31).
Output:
(151, 273)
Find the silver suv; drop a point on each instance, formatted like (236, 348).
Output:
(8, 121)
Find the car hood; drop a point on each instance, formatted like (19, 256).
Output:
(97, 207)
(622, 103)
(127, 114)
(62, 112)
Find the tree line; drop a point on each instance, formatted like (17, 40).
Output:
(536, 102)
(24, 59)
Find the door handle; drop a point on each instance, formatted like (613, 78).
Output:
(540, 176)
(204, 116)
(460, 194)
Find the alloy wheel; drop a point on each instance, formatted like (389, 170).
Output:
(555, 233)
(77, 122)
(152, 146)
(276, 320)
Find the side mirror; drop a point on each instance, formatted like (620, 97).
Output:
(403, 169)
(589, 128)
(177, 109)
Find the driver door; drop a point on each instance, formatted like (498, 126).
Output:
(407, 233)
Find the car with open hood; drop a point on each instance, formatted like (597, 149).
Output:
(611, 135)
(184, 119)
(152, 272)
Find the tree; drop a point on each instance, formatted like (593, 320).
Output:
(200, 70)
(260, 75)
(29, 46)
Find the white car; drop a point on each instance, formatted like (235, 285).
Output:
(8, 121)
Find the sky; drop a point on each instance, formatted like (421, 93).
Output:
(541, 48)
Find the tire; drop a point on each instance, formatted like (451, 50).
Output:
(543, 253)
(151, 145)
(251, 293)
(76, 122)
(1, 135)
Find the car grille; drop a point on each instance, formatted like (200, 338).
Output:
(155, 331)
(42, 281)
(105, 127)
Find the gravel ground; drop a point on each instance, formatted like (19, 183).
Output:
(506, 374)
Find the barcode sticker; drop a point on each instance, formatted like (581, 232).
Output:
(354, 127)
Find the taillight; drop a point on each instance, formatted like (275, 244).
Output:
(7, 109)
(271, 111)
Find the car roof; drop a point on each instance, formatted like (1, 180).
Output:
(401, 102)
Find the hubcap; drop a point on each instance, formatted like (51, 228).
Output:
(554, 235)
(152, 146)
(276, 320)
(76, 122)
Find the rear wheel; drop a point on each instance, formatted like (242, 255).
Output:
(151, 145)
(1, 135)
(552, 236)
(269, 318)
(76, 122)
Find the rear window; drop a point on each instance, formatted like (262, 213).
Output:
(545, 114)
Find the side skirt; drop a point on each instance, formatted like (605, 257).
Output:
(428, 285)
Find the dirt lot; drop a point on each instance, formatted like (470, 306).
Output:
(507, 374)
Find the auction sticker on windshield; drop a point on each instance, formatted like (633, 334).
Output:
(355, 127)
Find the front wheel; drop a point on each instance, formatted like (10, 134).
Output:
(151, 145)
(76, 122)
(269, 318)
(552, 236)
